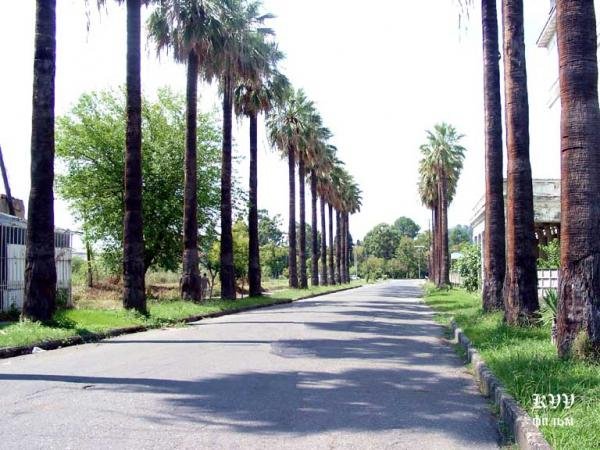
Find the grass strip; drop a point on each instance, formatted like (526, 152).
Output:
(525, 360)
(84, 323)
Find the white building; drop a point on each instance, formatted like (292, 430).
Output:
(12, 262)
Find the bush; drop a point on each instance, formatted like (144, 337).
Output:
(469, 267)
(549, 306)
(549, 255)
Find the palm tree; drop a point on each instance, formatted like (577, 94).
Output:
(286, 124)
(251, 99)
(353, 203)
(494, 254)
(337, 182)
(520, 285)
(40, 269)
(315, 251)
(332, 279)
(236, 57)
(323, 191)
(188, 28)
(428, 192)
(338, 247)
(302, 205)
(306, 152)
(579, 287)
(315, 155)
(324, 278)
(349, 203)
(440, 169)
(134, 292)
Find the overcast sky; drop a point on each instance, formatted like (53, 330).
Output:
(380, 75)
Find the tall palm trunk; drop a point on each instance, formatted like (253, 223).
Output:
(520, 286)
(439, 237)
(190, 278)
(494, 254)
(292, 261)
(332, 279)
(324, 280)
(254, 275)
(444, 252)
(338, 248)
(40, 269)
(344, 248)
(302, 198)
(432, 248)
(579, 288)
(314, 261)
(134, 292)
(227, 272)
(348, 248)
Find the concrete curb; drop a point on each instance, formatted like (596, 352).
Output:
(11, 352)
(526, 434)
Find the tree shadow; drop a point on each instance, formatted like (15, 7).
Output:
(309, 402)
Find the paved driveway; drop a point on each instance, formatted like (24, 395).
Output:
(360, 369)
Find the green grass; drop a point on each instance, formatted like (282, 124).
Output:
(525, 361)
(82, 322)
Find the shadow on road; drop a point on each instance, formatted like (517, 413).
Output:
(367, 399)
(394, 327)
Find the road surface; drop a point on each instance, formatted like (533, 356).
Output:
(365, 368)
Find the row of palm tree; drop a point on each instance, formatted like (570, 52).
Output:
(510, 270)
(219, 40)
(226, 40)
(439, 171)
(296, 129)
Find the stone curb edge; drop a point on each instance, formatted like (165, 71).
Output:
(526, 434)
(11, 352)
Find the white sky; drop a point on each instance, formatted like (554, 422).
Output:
(380, 76)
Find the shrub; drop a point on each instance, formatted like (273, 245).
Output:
(549, 306)
(549, 255)
(469, 267)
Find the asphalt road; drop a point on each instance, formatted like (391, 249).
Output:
(365, 368)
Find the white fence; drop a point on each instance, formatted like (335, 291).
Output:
(12, 263)
(547, 279)
(456, 279)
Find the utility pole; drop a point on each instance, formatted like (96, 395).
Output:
(420, 248)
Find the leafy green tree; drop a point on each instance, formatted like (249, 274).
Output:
(274, 259)
(382, 241)
(269, 229)
(407, 255)
(407, 227)
(89, 144)
(459, 235)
